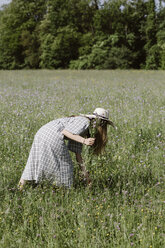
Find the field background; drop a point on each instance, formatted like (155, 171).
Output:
(125, 205)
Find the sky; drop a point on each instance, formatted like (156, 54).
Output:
(2, 2)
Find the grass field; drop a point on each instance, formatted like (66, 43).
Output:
(125, 207)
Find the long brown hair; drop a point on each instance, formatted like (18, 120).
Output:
(100, 139)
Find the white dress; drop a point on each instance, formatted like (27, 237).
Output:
(49, 156)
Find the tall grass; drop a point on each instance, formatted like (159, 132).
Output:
(125, 205)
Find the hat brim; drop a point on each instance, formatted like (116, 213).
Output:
(103, 118)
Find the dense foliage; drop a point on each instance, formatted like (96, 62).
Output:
(82, 34)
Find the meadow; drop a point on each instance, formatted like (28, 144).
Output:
(125, 206)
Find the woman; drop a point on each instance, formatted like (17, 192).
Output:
(49, 157)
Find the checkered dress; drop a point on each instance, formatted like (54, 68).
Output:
(49, 157)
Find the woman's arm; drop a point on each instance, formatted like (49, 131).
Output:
(78, 138)
(83, 168)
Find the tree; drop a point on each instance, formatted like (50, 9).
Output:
(82, 34)
(152, 50)
(134, 19)
(161, 37)
(61, 32)
(10, 49)
(57, 51)
(19, 44)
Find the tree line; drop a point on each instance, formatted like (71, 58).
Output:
(82, 34)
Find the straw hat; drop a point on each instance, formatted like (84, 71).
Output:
(100, 113)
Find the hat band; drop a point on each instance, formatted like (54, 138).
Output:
(101, 116)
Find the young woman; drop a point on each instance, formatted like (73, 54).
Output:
(49, 157)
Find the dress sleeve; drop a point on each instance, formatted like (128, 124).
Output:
(77, 125)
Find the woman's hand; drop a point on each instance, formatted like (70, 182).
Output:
(89, 141)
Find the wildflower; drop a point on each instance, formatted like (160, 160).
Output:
(93, 127)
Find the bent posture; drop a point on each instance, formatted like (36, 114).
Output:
(49, 157)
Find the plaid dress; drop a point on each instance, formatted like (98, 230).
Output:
(49, 156)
